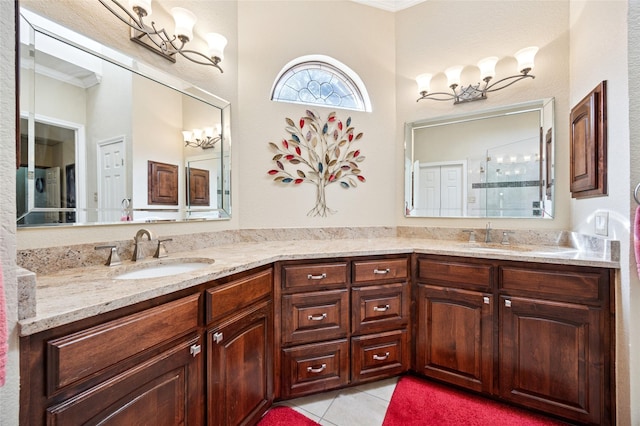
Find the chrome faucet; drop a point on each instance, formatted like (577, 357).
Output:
(487, 235)
(138, 253)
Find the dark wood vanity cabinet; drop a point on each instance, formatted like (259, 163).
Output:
(454, 321)
(200, 356)
(145, 365)
(341, 322)
(548, 345)
(555, 340)
(239, 338)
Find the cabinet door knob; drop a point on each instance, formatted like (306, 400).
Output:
(316, 277)
(381, 271)
(377, 357)
(195, 350)
(317, 369)
(381, 308)
(507, 303)
(217, 337)
(317, 317)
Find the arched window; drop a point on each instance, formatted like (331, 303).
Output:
(320, 80)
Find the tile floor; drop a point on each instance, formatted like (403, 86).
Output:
(363, 405)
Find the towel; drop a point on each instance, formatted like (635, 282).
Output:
(636, 238)
(3, 333)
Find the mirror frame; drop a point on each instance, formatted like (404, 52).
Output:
(545, 107)
(49, 28)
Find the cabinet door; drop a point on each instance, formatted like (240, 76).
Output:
(454, 336)
(552, 357)
(165, 390)
(240, 374)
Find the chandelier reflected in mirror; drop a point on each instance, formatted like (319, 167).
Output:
(460, 94)
(159, 41)
(199, 138)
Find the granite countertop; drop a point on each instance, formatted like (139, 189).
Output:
(74, 294)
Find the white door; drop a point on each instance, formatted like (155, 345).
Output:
(429, 191)
(112, 187)
(451, 190)
(440, 190)
(52, 191)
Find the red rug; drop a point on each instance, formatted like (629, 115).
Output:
(417, 401)
(285, 416)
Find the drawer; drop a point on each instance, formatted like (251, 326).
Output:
(314, 276)
(380, 308)
(562, 284)
(379, 270)
(80, 355)
(380, 355)
(309, 317)
(315, 368)
(466, 275)
(232, 297)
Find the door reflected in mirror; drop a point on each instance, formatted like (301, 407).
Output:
(91, 120)
(496, 163)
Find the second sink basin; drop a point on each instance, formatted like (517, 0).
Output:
(157, 270)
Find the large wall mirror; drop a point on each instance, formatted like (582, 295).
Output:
(494, 163)
(101, 137)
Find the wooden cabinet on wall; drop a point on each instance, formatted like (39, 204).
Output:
(145, 364)
(549, 343)
(341, 322)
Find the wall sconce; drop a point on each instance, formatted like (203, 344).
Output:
(471, 92)
(204, 139)
(159, 41)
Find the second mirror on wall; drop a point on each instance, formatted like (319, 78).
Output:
(494, 163)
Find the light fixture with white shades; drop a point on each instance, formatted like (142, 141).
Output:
(460, 94)
(202, 138)
(159, 41)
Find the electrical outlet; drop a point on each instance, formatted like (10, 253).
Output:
(602, 223)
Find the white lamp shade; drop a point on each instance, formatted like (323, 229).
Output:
(208, 132)
(525, 57)
(186, 135)
(185, 20)
(142, 4)
(197, 133)
(217, 43)
(453, 75)
(488, 67)
(424, 82)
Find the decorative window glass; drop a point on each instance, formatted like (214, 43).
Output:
(320, 80)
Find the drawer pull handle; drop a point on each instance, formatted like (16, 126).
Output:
(317, 369)
(485, 300)
(217, 337)
(507, 303)
(377, 357)
(381, 271)
(317, 317)
(316, 277)
(194, 350)
(381, 308)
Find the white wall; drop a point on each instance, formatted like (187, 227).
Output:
(599, 52)
(437, 34)
(272, 33)
(9, 393)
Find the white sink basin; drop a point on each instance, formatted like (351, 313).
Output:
(163, 270)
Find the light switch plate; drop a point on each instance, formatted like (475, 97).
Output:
(602, 223)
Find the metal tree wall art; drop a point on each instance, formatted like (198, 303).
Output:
(318, 152)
